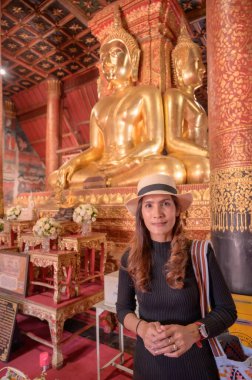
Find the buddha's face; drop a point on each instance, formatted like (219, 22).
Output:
(193, 69)
(116, 63)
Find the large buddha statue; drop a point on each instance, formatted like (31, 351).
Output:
(126, 127)
(186, 132)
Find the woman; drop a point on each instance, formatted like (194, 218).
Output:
(157, 269)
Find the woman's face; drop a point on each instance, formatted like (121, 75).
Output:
(159, 214)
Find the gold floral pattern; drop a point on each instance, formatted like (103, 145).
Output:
(230, 104)
(230, 90)
(231, 199)
(57, 12)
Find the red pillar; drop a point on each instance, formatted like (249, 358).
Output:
(52, 125)
(229, 58)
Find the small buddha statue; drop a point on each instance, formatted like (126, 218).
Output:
(126, 127)
(186, 132)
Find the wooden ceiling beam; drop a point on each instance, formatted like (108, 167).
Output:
(29, 67)
(22, 23)
(30, 114)
(69, 85)
(83, 122)
(4, 3)
(43, 139)
(45, 4)
(73, 148)
(39, 141)
(77, 12)
(73, 132)
(80, 79)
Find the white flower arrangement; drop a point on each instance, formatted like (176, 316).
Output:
(46, 227)
(1, 225)
(85, 213)
(13, 212)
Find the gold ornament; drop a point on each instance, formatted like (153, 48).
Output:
(231, 208)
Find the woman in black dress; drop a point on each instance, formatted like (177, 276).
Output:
(157, 271)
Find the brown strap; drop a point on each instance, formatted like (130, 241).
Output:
(199, 250)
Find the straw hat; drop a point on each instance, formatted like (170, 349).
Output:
(158, 184)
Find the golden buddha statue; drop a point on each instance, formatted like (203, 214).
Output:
(186, 132)
(126, 127)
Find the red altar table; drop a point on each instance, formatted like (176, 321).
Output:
(65, 271)
(87, 246)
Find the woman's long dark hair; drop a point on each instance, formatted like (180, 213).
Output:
(139, 261)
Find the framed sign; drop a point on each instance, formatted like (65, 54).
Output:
(14, 272)
(8, 311)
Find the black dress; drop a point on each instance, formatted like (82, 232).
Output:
(176, 306)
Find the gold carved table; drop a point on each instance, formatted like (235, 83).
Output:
(55, 315)
(65, 270)
(19, 226)
(68, 226)
(89, 244)
(28, 241)
(5, 239)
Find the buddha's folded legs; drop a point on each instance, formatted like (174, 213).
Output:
(197, 168)
(79, 177)
(91, 176)
(152, 164)
(184, 169)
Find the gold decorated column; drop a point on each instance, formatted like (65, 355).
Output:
(52, 125)
(229, 41)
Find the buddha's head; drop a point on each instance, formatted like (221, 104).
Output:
(119, 54)
(188, 67)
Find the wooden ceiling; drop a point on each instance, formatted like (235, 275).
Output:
(46, 37)
(43, 37)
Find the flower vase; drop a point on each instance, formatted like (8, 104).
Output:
(46, 244)
(85, 229)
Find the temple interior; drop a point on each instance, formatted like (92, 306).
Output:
(95, 95)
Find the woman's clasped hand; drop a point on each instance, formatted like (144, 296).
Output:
(169, 340)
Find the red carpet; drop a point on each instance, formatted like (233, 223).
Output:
(79, 355)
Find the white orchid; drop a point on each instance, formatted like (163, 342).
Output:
(46, 227)
(13, 212)
(85, 213)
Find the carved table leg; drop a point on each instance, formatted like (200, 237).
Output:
(76, 274)
(57, 277)
(86, 262)
(102, 261)
(56, 331)
(31, 279)
(92, 261)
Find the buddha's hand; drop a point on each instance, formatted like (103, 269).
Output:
(200, 130)
(202, 151)
(123, 165)
(65, 174)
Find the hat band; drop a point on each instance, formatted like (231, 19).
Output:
(157, 186)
